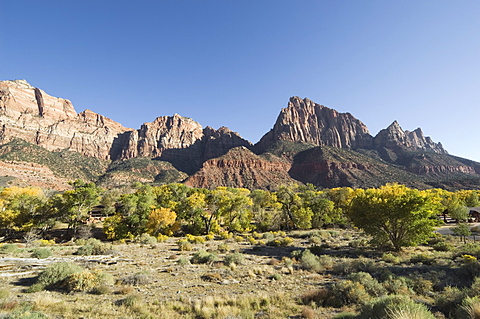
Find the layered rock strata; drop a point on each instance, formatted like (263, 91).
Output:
(309, 122)
(29, 113)
(240, 167)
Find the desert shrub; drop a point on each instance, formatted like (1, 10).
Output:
(470, 269)
(394, 307)
(146, 239)
(203, 257)
(225, 234)
(54, 276)
(25, 312)
(315, 240)
(310, 262)
(130, 301)
(422, 286)
(475, 287)
(372, 286)
(275, 277)
(317, 297)
(239, 239)
(269, 236)
(137, 279)
(283, 242)
(84, 280)
(308, 313)
(41, 253)
(101, 289)
(469, 309)
(348, 266)
(45, 242)
(162, 238)
(442, 246)
(94, 246)
(468, 249)
(195, 239)
(223, 248)
(391, 258)
(183, 261)
(184, 245)
(9, 249)
(397, 285)
(347, 292)
(235, 258)
(449, 300)
(251, 240)
(425, 259)
(358, 243)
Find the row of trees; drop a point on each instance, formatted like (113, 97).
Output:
(392, 214)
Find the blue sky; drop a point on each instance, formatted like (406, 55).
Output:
(236, 63)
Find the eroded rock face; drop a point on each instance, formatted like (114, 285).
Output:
(309, 122)
(52, 123)
(240, 167)
(395, 137)
(181, 141)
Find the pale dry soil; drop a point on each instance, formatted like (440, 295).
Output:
(170, 281)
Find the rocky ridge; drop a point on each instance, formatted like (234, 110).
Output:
(309, 143)
(240, 167)
(29, 113)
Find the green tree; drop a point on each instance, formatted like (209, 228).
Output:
(265, 209)
(79, 201)
(462, 230)
(323, 209)
(20, 208)
(131, 216)
(295, 214)
(394, 215)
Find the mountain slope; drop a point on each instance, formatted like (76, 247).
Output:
(44, 141)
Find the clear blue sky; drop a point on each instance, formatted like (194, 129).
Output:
(236, 63)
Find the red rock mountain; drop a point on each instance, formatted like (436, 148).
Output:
(181, 141)
(29, 113)
(240, 167)
(309, 122)
(309, 143)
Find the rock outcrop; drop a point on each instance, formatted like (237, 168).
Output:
(240, 167)
(309, 122)
(394, 137)
(180, 141)
(52, 123)
(309, 143)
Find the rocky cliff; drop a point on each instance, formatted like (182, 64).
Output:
(240, 167)
(309, 143)
(180, 141)
(394, 137)
(29, 113)
(309, 122)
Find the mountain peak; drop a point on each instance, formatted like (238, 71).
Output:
(306, 121)
(395, 137)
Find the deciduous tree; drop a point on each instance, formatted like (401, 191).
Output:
(394, 215)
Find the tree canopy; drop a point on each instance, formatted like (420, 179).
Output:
(395, 215)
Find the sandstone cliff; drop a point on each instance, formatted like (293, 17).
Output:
(52, 123)
(309, 122)
(180, 141)
(395, 137)
(242, 168)
(309, 143)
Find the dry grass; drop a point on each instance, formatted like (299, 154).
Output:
(159, 282)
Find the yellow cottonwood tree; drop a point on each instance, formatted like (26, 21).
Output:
(395, 214)
(160, 221)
